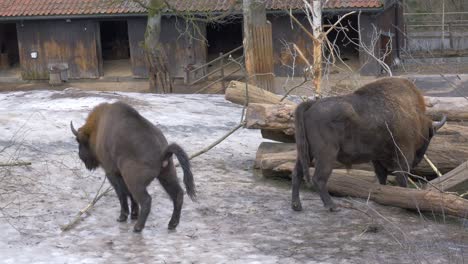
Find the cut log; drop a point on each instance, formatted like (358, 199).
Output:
(277, 136)
(454, 181)
(447, 150)
(362, 184)
(455, 108)
(235, 93)
(271, 117)
(342, 183)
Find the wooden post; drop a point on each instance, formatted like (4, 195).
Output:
(221, 66)
(258, 45)
(317, 52)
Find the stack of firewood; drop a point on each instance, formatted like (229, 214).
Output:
(274, 116)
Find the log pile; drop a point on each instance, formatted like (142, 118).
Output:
(448, 150)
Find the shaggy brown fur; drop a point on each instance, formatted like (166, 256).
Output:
(133, 152)
(383, 122)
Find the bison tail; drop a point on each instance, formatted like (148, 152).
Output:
(184, 162)
(301, 138)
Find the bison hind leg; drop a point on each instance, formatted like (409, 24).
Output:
(296, 176)
(142, 197)
(170, 183)
(323, 169)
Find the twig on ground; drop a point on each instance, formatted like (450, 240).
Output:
(77, 218)
(13, 164)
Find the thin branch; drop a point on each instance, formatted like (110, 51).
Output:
(13, 164)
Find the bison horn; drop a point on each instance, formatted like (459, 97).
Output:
(73, 129)
(439, 124)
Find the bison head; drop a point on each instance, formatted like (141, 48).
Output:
(85, 152)
(434, 126)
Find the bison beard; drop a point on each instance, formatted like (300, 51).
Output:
(133, 152)
(383, 122)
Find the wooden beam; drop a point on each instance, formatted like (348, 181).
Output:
(454, 181)
(236, 93)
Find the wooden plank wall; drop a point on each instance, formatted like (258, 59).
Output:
(181, 44)
(284, 34)
(263, 56)
(58, 41)
(136, 37)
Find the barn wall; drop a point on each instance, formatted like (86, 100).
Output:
(369, 66)
(183, 44)
(58, 41)
(136, 37)
(284, 35)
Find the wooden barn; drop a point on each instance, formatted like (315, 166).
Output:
(96, 38)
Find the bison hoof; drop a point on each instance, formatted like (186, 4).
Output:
(172, 225)
(332, 208)
(296, 207)
(137, 228)
(122, 218)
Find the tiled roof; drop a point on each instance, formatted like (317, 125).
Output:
(12, 8)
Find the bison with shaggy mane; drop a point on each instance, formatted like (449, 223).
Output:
(132, 152)
(383, 122)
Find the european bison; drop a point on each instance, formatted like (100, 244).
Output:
(132, 152)
(383, 122)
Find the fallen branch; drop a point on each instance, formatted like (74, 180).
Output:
(13, 164)
(97, 197)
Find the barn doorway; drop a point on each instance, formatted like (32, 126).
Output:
(9, 52)
(348, 51)
(115, 48)
(223, 38)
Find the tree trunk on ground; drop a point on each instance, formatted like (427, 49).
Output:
(361, 184)
(159, 77)
(236, 93)
(447, 150)
(455, 108)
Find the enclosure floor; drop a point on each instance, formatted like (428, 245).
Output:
(240, 217)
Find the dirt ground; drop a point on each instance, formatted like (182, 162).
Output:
(240, 217)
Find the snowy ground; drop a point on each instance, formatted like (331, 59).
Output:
(240, 217)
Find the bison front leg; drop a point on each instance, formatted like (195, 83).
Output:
(380, 171)
(121, 191)
(135, 208)
(297, 176)
(170, 183)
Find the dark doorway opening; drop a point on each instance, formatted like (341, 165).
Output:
(115, 48)
(347, 51)
(224, 37)
(9, 52)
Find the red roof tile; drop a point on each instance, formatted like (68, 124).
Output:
(12, 8)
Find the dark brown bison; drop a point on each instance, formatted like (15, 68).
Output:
(132, 152)
(383, 122)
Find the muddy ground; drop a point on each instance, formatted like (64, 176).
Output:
(240, 217)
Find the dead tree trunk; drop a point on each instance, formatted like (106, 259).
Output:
(159, 77)
(258, 45)
(317, 52)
